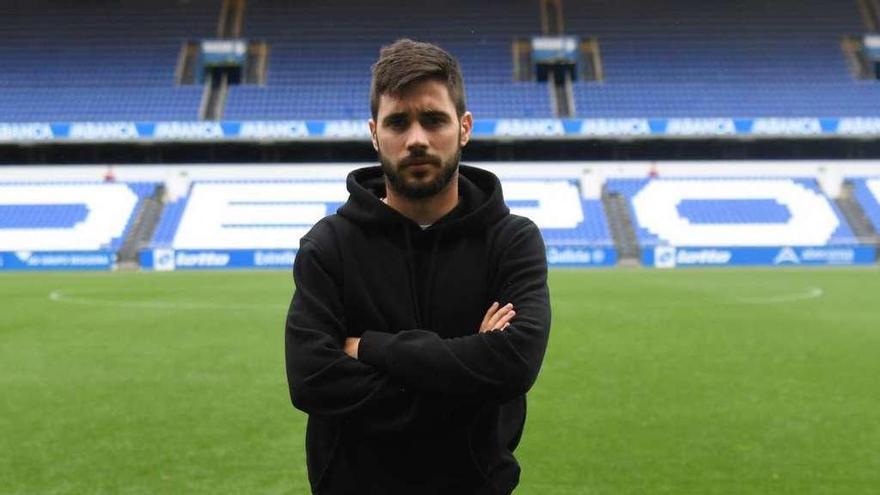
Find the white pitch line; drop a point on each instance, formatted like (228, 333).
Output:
(59, 296)
(811, 293)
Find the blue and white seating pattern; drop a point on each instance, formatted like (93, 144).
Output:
(275, 214)
(733, 212)
(68, 216)
(867, 193)
(254, 215)
(558, 209)
(163, 236)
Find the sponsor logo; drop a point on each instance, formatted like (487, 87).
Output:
(272, 130)
(703, 257)
(223, 47)
(701, 127)
(346, 129)
(531, 127)
(274, 258)
(103, 131)
(859, 126)
(664, 257)
(787, 127)
(188, 130)
(163, 260)
(25, 132)
(615, 127)
(574, 256)
(829, 255)
(786, 255)
(204, 259)
(554, 43)
(59, 260)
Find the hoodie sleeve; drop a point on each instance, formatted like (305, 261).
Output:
(496, 365)
(323, 380)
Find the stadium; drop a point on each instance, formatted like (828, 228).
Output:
(705, 177)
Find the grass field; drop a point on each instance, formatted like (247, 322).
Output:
(703, 382)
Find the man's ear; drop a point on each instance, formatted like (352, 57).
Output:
(373, 137)
(467, 125)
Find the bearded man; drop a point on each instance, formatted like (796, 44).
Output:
(421, 311)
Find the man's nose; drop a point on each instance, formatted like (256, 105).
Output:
(416, 138)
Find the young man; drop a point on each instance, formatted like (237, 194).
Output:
(421, 312)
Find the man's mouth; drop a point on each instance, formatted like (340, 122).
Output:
(421, 162)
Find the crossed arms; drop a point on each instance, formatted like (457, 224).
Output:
(409, 371)
(497, 318)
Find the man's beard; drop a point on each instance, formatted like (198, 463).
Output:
(411, 190)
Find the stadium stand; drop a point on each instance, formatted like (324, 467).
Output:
(682, 59)
(322, 53)
(263, 215)
(222, 221)
(867, 193)
(71, 216)
(557, 207)
(733, 212)
(163, 236)
(108, 62)
(721, 59)
(254, 215)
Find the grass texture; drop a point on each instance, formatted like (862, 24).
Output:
(682, 382)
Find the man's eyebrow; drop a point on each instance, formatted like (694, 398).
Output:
(397, 116)
(435, 114)
(393, 116)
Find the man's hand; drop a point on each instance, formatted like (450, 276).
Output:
(351, 346)
(497, 317)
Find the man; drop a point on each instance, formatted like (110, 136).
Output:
(421, 312)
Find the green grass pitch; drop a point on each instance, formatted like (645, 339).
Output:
(693, 381)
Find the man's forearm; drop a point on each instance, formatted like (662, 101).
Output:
(497, 317)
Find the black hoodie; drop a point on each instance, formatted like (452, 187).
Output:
(431, 405)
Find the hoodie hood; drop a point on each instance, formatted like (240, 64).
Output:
(481, 201)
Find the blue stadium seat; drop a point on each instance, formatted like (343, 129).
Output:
(683, 59)
(732, 212)
(867, 193)
(237, 214)
(321, 55)
(60, 216)
(64, 62)
(747, 59)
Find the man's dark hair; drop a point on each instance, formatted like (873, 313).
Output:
(405, 62)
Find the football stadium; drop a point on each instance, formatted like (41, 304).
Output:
(705, 177)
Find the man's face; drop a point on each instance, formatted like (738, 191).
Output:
(419, 139)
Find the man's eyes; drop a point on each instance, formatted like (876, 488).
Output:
(430, 122)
